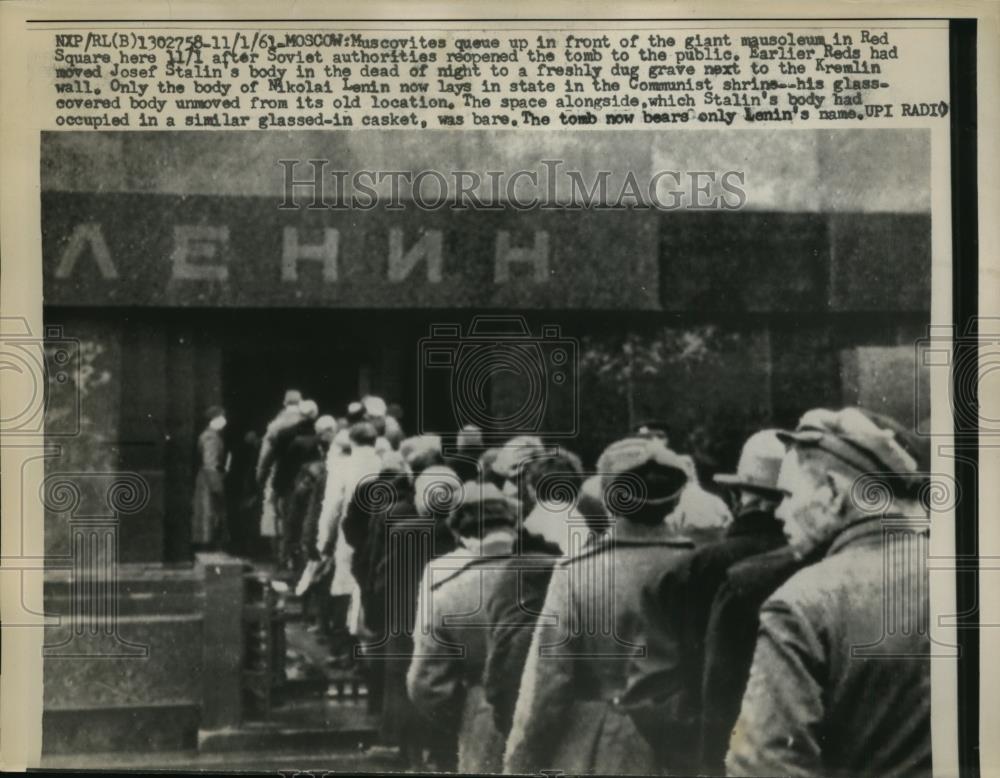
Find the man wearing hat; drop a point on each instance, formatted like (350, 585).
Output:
(685, 591)
(287, 417)
(840, 682)
(576, 708)
(445, 679)
(652, 428)
(754, 530)
(294, 446)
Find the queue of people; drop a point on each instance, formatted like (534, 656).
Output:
(512, 612)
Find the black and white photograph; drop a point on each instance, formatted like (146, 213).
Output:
(370, 440)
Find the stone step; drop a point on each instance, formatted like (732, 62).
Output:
(300, 723)
(318, 761)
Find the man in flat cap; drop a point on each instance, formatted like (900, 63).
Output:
(574, 710)
(840, 682)
(686, 590)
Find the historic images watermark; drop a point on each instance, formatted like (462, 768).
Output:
(551, 185)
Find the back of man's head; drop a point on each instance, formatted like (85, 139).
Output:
(554, 477)
(363, 434)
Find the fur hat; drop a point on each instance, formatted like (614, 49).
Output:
(480, 508)
(639, 475)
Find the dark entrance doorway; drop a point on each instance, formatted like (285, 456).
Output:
(255, 377)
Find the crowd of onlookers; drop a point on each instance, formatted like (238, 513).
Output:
(513, 611)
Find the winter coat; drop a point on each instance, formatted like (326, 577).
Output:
(411, 542)
(300, 449)
(303, 498)
(840, 682)
(208, 520)
(343, 476)
(445, 678)
(684, 595)
(512, 614)
(730, 638)
(575, 707)
(277, 429)
(364, 526)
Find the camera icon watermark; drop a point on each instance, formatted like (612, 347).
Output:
(41, 379)
(972, 361)
(499, 378)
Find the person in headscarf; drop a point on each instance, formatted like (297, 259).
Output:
(700, 516)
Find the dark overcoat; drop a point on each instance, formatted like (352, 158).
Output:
(596, 632)
(411, 541)
(445, 679)
(730, 638)
(512, 611)
(840, 682)
(208, 520)
(684, 595)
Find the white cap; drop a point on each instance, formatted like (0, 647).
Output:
(374, 406)
(325, 424)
